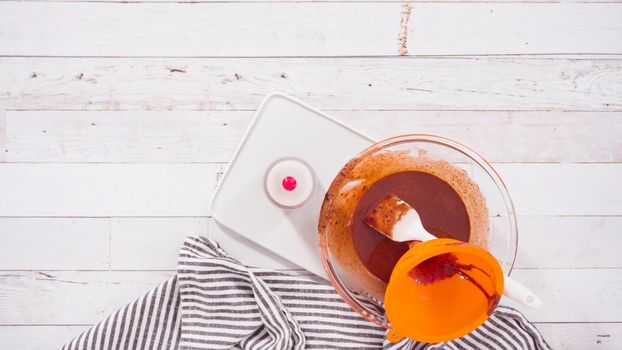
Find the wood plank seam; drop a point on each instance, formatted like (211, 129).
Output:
(44, 271)
(336, 1)
(522, 56)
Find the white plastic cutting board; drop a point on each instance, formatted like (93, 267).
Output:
(283, 127)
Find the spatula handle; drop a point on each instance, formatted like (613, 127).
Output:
(520, 293)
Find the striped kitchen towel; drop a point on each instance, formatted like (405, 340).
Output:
(215, 302)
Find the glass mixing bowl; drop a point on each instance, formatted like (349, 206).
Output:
(502, 236)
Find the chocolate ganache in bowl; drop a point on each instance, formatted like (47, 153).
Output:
(455, 191)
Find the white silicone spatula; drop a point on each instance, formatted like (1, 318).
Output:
(397, 220)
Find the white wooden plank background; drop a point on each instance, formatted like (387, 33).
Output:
(181, 189)
(212, 136)
(563, 335)
(121, 116)
(35, 298)
(106, 242)
(55, 243)
(394, 83)
(38, 337)
(305, 29)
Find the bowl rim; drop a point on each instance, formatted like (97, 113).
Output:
(414, 137)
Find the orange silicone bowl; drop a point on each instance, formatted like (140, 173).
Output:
(502, 235)
(433, 309)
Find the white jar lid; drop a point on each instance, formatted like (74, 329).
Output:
(290, 182)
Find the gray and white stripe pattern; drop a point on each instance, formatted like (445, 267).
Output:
(215, 302)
